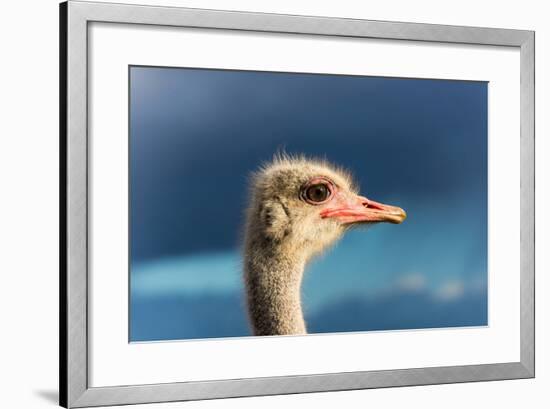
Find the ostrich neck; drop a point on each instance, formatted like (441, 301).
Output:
(273, 282)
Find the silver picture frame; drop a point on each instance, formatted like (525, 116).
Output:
(75, 16)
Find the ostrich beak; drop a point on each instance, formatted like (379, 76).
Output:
(359, 209)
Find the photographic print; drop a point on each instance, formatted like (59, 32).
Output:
(275, 203)
(238, 186)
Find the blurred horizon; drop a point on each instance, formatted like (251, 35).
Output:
(195, 136)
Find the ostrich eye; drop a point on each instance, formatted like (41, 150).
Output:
(317, 193)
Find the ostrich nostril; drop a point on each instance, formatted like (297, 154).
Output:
(370, 204)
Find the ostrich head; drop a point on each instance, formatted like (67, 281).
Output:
(298, 207)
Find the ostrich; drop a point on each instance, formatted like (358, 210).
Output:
(298, 207)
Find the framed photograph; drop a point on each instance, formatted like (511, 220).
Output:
(258, 204)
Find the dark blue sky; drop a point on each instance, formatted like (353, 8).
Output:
(196, 134)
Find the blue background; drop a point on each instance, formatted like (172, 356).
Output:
(195, 136)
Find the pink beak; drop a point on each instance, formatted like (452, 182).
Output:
(362, 210)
